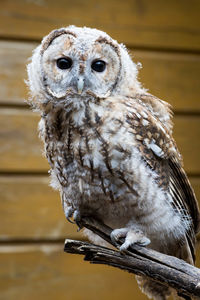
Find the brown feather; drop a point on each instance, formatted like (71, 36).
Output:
(171, 175)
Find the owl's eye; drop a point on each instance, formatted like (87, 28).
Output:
(98, 65)
(64, 63)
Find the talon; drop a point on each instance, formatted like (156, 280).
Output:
(131, 237)
(77, 216)
(77, 219)
(116, 234)
(69, 213)
(68, 219)
(79, 227)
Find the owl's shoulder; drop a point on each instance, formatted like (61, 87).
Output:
(160, 109)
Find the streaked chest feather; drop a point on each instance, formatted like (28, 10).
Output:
(95, 156)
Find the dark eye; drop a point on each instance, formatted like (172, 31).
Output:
(64, 63)
(98, 65)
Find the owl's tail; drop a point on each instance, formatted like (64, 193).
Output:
(157, 291)
(153, 289)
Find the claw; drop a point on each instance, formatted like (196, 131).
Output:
(68, 219)
(77, 219)
(131, 236)
(116, 234)
(75, 214)
(69, 213)
(79, 227)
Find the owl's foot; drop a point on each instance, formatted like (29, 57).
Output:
(131, 236)
(74, 214)
(69, 213)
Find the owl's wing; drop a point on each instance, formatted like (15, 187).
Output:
(161, 155)
(184, 199)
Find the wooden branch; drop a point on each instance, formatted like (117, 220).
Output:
(162, 268)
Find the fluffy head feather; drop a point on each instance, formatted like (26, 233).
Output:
(82, 46)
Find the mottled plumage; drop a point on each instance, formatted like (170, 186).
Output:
(109, 144)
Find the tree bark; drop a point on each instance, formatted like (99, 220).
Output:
(162, 268)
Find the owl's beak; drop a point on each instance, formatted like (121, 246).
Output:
(80, 85)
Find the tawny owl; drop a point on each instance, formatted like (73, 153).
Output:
(109, 144)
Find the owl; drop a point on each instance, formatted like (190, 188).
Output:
(110, 147)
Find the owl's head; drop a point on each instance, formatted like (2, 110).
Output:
(77, 63)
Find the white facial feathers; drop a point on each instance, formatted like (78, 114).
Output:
(82, 46)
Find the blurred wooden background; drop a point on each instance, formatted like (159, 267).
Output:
(165, 37)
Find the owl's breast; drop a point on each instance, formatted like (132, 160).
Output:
(91, 188)
(101, 172)
(109, 182)
(91, 172)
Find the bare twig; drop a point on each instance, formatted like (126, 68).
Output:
(162, 268)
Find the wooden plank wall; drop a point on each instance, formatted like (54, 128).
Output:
(164, 37)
